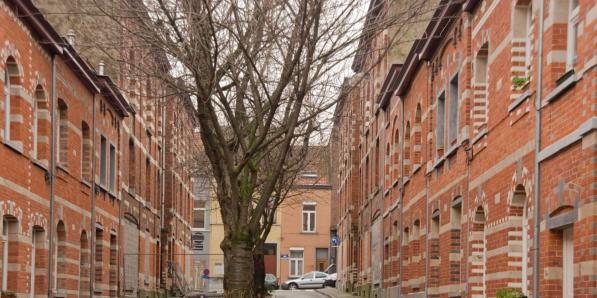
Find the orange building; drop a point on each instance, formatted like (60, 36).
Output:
(305, 223)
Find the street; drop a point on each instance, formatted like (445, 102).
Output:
(297, 294)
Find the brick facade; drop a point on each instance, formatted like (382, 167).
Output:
(447, 163)
(112, 213)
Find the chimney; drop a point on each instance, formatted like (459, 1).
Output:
(101, 68)
(70, 37)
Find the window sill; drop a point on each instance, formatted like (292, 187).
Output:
(479, 136)
(40, 164)
(520, 100)
(565, 82)
(15, 146)
(63, 168)
(85, 182)
(416, 168)
(309, 233)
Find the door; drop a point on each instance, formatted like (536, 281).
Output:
(319, 280)
(321, 259)
(131, 256)
(270, 258)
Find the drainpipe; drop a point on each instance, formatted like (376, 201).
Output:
(92, 223)
(401, 195)
(50, 175)
(537, 174)
(163, 191)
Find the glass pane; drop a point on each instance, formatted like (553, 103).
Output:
(312, 222)
(198, 218)
(296, 254)
(309, 207)
(199, 204)
(292, 267)
(305, 221)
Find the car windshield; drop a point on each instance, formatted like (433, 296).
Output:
(308, 275)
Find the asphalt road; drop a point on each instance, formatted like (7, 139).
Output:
(297, 294)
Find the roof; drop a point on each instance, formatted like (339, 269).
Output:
(423, 48)
(51, 40)
(365, 40)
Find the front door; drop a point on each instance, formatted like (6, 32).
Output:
(270, 258)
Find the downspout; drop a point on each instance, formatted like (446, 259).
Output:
(51, 173)
(93, 186)
(537, 174)
(401, 194)
(427, 219)
(163, 190)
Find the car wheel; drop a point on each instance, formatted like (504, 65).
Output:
(292, 286)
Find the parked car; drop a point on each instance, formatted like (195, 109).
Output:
(271, 281)
(330, 281)
(314, 279)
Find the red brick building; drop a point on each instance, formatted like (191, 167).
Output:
(483, 135)
(83, 193)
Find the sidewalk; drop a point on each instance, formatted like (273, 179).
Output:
(334, 293)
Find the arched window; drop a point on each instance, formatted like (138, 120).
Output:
(10, 252)
(416, 234)
(38, 260)
(417, 137)
(480, 91)
(60, 257)
(86, 152)
(519, 200)
(113, 265)
(12, 78)
(41, 126)
(407, 157)
(84, 265)
(396, 152)
(62, 133)
(131, 164)
(478, 240)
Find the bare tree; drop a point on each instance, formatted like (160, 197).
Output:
(263, 76)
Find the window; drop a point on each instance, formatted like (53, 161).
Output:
(62, 132)
(84, 266)
(40, 119)
(7, 103)
(522, 30)
(453, 115)
(309, 217)
(86, 152)
(441, 118)
(199, 214)
(417, 137)
(103, 161)
(573, 20)
(99, 235)
(321, 258)
(11, 78)
(456, 213)
(567, 263)
(296, 262)
(37, 241)
(147, 179)
(113, 264)
(131, 164)
(113, 168)
(197, 241)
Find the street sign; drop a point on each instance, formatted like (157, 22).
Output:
(335, 240)
(284, 256)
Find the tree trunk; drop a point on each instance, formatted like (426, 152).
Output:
(259, 277)
(238, 267)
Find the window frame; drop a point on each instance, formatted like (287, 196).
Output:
(6, 103)
(311, 214)
(112, 168)
(103, 161)
(453, 110)
(441, 120)
(572, 34)
(200, 209)
(295, 260)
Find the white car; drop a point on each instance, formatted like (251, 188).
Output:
(311, 280)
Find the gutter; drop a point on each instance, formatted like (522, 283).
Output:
(537, 174)
(52, 172)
